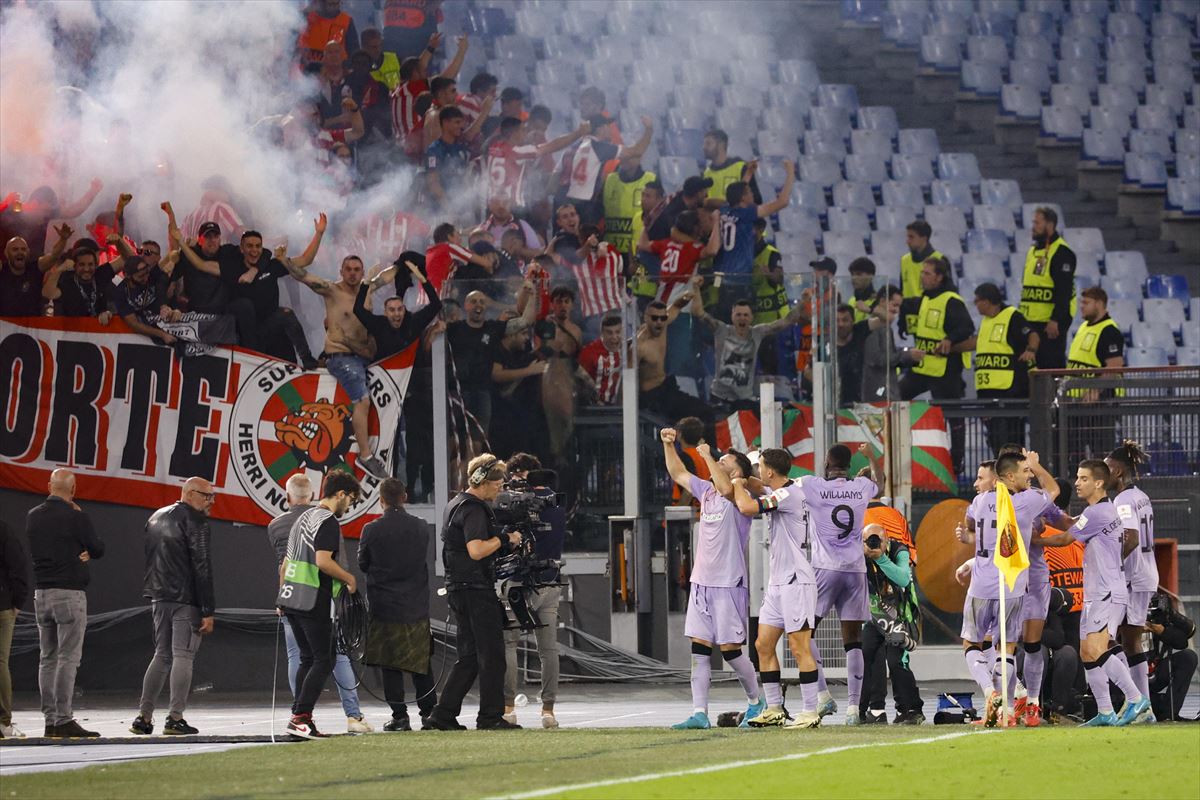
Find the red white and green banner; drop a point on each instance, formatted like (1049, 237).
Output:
(133, 420)
(931, 465)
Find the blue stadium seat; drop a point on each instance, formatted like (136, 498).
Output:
(821, 170)
(941, 53)
(771, 173)
(1187, 356)
(1080, 71)
(992, 26)
(948, 245)
(959, 168)
(837, 95)
(983, 267)
(777, 143)
(1000, 192)
(1175, 286)
(1103, 147)
(1125, 26)
(697, 97)
(674, 170)
(987, 240)
(788, 97)
(784, 118)
(1167, 310)
(1175, 75)
(987, 50)
(1152, 333)
(1062, 124)
(1146, 357)
(912, 169)
(854, 194)
(1034, 74)
(864, 12)
(822, 143)
(947, 27)
(643, 98)
(849, 219)
(1031, 49)
(749, 71)
(1129, 264)
(997, 218)
(1103, 118)
(947, 220)
(687, 142)
(845, 241)
(1087, 270)
(866, 168)
(1022, 102)
(1124, 288)
(1071, 95)
(895, 217)
(1169, 24)
(1035, 23)
(1124, 311)
(1084, 25)
(737, 121)
(981, 79)
(999, 8)
(887, 248)
(741, 95)
(1079, 48)
(1171, 97)
(800, 221)
(902, 30)
(799, 73)
(1145, 171)
(903, 193)
(1155, 118)
(1126, 73)
(951, 193)
(810, 197)
(1131, 51)
(871, 142)
(557, 73)
(878, 118)
(1117, 97)
(604, 73)
(1084, 240)
(1183, 196)
(830, 118)
(919, 142)
(1187, 164)
(685, 118)
(1151, 142)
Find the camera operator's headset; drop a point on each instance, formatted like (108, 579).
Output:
(480, 475)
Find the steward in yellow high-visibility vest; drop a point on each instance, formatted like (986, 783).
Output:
(1099, 341)
(643, 283)
(623, 207)
(724, 169)
(1048, 289)
(945, 337)
(862, 279)
(1004, 353)
(386, 67)
(918, 233)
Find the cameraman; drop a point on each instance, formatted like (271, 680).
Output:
(1172, 662)
(891, 632)
(548, 546)
(469, 549)
(1063, 686)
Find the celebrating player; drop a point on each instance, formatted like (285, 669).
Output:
(719, 600)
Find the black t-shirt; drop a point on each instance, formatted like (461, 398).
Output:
(263, 291)
(144, 301)
(329, 537)
(472, 349)
(467, 519)
(205, 292)
(80, 299)
(21, 295)
(566, 246)
(526, 391)
(850, 361)
(661, 227)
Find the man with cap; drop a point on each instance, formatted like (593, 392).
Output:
(202, 291)
(862, 278)
(1004, 353)
(141, 300)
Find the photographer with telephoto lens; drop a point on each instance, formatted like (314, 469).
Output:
(471, 543)
(526, 476)
(1172, 662)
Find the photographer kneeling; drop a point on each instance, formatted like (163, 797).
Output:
(1172, 661)
(525, 471)
(469, 550)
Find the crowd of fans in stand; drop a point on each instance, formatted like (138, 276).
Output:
(533, 253)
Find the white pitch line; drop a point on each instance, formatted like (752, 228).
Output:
(574, 787)
(607, 719)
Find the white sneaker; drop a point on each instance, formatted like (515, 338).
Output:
(358, 725)
(805, 719)
(548, 720)
(11, 732)
(510, 718)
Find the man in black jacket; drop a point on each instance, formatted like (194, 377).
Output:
(14, 592)
(179, 583)
(61, 541)
(396, 329)
(1173, 662)
(393, 555)
(471, 540)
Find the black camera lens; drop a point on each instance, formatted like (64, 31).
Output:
(874, 541)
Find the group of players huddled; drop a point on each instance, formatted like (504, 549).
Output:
(818, 561)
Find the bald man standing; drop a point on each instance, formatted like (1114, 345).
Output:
(179, 583)
(61, 541)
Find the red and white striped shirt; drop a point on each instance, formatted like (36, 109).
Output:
(599, 281)
(404, 113)
(604, 366)
(213, 210)
(442, 259)
(506, 165)
(380, 239)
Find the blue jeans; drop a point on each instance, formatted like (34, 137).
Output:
(343, 673)
(351, 372)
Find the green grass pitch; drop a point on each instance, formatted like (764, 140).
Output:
(1143, 762)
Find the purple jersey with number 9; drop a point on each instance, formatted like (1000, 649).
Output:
(835, 513)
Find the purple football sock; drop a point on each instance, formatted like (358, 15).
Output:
(854, 674)
(1118, 672)
(1035, 667)
(1141, 676)
(808, 696)
(816, 654)
(981, 670)
(745, 673)
(1097, 681)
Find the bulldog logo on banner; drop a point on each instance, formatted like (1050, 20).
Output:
(133, 420)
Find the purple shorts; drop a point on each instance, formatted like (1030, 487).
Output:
(845, 591)
(1138, 607)
(1036, 605)
(1101, 615)
(792, 607)
(981, 619)
(717, 614)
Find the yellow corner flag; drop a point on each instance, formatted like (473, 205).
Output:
(1010, 558)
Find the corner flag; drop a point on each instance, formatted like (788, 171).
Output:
(1010, 558)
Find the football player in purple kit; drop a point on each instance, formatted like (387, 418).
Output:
(719, 600)
(789, 603)
(836, 505)
(1105, 595)
(981, 611)
(1141, 570)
